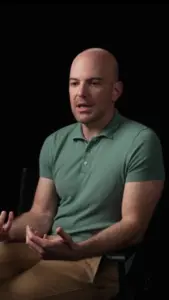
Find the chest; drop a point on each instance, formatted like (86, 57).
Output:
(98, 166)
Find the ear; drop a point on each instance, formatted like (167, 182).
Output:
(117, 91)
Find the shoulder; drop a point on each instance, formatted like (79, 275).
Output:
(140, 137)
(52, 143)
(135, 133)
(134, 128)
(59, 135)
(55, 140)
(143, 151)
(144, 155)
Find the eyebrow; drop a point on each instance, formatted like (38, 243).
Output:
(88, 79)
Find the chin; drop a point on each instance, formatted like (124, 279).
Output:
(84, 119)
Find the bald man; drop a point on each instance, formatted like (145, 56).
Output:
(100, 181)
(94, 89)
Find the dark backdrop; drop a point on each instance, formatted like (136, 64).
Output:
(38, 43)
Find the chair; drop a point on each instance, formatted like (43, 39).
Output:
(133, 279)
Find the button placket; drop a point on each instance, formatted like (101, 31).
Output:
(85, 163)
(88, 152)
(88, 155)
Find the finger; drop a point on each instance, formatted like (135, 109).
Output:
(65, 236)
(35, 232)
(11, 216)
(8, 224)
(35, 247)
(29, 233)
(35, 239)
(30, 241)
(39, 241)
(2, 218)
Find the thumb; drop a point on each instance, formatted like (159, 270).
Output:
(65, 236)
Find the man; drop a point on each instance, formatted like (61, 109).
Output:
(100, 181)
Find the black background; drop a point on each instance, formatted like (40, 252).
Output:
(38, 43)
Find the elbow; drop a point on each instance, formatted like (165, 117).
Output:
(137, 239)
(136, 232)
(139, 235)
(42, 218)
(39, 213)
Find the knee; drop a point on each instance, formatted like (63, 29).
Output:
(10, 251)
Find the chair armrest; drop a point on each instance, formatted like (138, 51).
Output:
(123, 258)
(123, 255)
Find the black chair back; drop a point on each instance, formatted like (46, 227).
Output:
(28, 184)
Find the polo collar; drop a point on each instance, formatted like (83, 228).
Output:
(108, 131)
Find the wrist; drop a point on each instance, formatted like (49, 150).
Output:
(84, 250)
(79, 252)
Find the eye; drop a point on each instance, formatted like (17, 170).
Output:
(95, 83)
(73, 83)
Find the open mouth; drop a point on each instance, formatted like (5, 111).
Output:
(83, 106)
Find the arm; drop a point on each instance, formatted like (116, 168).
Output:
(44, 206)
(40, 215)
(144, 182)
(139, 201)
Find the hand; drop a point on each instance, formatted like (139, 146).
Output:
(5, 227)
(60, 246)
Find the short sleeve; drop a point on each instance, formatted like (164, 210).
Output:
(45, 159)
(145, 158)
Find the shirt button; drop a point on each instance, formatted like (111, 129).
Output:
(85, 163)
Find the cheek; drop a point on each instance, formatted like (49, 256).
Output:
(102, 100)
(103, 105)
(73, 105)
(72, 100)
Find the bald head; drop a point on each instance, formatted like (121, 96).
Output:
(100, 59)
(94, 87)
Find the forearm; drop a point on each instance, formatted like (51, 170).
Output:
(39, 222)
(119, 236)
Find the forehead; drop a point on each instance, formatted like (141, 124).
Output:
(85, 67)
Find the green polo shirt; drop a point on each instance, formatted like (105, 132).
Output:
(90, 175)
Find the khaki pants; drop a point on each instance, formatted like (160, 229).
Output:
(24, 277)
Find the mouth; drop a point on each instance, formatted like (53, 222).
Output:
(84, 106)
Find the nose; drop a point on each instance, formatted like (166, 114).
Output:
(82, 89)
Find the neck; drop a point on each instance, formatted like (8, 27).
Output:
(93, 129)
